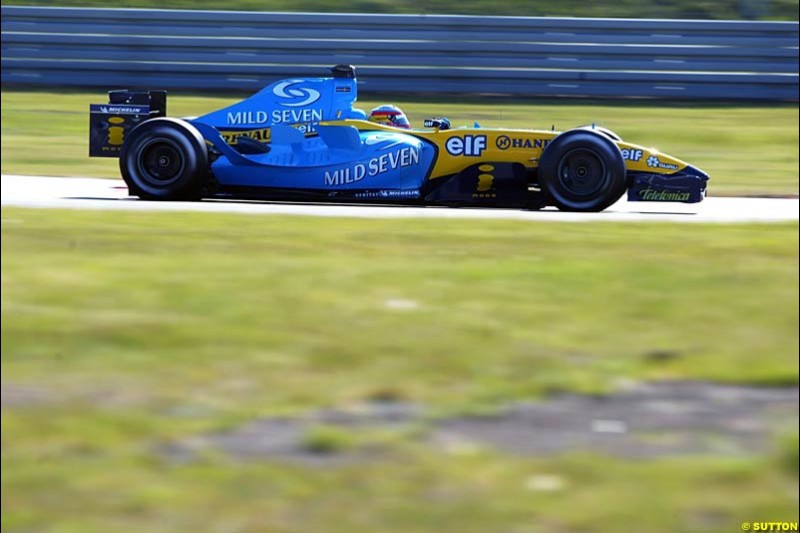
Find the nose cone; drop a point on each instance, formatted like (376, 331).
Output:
(694, 171)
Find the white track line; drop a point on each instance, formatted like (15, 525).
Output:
(90, 193)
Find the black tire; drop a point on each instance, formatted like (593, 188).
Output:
(605, 131)
(164, 159)
(581, 170)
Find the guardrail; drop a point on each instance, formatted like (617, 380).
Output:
(423, 54)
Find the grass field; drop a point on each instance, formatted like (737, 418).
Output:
(305, 305)
(132, 330)
(746, 149)
(707, 9)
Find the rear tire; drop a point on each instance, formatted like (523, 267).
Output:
(165, 159)
(581, 170)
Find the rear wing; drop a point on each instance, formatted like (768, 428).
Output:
(109, 123)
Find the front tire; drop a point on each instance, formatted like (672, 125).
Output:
(164, 159)
(605, 131)
(582, 171)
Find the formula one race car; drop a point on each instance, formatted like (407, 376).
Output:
(302, 139)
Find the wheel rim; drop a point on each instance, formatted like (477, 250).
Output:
(160, 162)
(582, 172)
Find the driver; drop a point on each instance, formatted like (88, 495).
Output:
(390, 115)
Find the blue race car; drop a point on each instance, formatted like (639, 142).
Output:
(302, 139)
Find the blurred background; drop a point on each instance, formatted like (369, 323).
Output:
(676, 9)
(217, 372)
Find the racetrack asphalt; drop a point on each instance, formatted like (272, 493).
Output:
(92, 193)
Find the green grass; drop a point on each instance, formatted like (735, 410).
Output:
(137, 329)
(328, 439)
(746, 149)
(125, 490)
(265, 314)
(706, 9)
